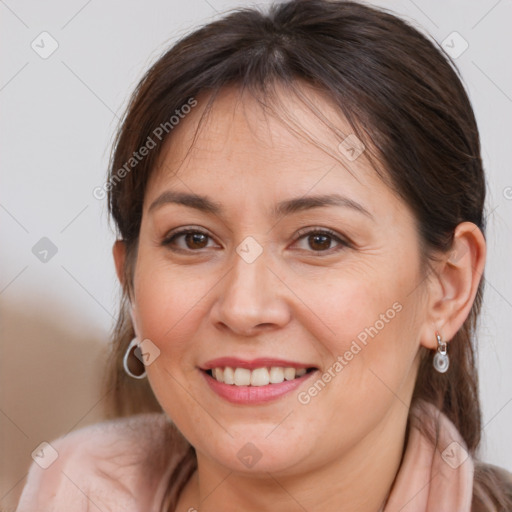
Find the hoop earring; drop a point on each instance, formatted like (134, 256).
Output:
(441, 360)
(130, 354)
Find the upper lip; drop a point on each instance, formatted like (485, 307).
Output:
(262, 362)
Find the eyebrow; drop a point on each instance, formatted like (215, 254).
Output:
(290, 206)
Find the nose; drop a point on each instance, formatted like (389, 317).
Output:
(251, 299)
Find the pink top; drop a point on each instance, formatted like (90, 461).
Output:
(128, 464)
(119, 465)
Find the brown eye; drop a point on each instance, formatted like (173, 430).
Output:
(319, 242)
(196, 240)
(187, 240)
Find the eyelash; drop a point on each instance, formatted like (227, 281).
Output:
(301, 234)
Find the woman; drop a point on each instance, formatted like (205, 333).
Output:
(299, 201)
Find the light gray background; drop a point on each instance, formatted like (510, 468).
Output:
(58, 117)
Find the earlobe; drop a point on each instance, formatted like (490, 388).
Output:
(133, 316)
(119, 253)
(455, 284)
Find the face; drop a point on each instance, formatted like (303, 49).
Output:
(268, 281)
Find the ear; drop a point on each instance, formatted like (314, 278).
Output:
(453, 286)
(119, 252)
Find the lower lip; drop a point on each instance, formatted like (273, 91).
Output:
(254, 395)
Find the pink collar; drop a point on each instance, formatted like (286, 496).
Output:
(433, 478)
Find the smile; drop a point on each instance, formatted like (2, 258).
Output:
(257, 377)
(254, 382)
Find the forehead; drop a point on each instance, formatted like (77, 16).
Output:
(242, 146)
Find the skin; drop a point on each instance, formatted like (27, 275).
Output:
(295, 301)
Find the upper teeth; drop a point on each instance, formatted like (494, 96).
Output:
(256, 377)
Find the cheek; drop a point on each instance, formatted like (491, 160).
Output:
(171, 306)
(370, 346)
(170, 309)
(344, 307)
(368, 324)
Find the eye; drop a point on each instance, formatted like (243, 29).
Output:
(193, 240)
(320, 240)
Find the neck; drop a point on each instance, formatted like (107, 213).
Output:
(343, 484)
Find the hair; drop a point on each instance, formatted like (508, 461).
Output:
(402, 97)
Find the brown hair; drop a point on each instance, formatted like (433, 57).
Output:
(403, 99)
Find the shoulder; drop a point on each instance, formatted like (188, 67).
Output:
(492, 489)
(114, 465)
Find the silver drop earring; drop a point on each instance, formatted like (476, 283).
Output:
(130, 354)
(441, 359)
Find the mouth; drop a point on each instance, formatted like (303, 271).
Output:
(263, 376)
(254, 382)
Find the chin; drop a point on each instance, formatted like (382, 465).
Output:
(251, 460)
(252, 454)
